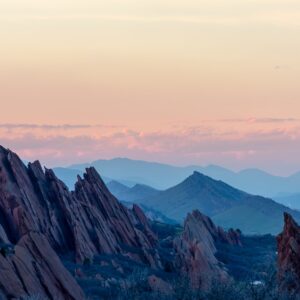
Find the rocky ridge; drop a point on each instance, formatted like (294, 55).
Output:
(42, 221)
(39, 216)
(289, 255)
(196, 249)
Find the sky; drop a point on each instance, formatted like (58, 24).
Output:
(180, 82)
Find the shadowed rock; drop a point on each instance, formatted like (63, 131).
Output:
(31, 267)
(288, 243)
(196, 249)
(39, 215)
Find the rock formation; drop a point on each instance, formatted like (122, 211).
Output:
(196, 249)
(40, 216)
(41, 221)
(31, 267)
(288, 243)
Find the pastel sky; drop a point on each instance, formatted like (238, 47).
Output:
(182, 82)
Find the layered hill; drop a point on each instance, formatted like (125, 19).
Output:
(163, 176)
(131, 194)
(227, 206)
(61, 244)
(292, 200)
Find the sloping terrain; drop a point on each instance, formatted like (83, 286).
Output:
(291, 200)
(131, 194)
(57, 244)
(41, 219)
(187, 252)
(163, 176)
(227, 206)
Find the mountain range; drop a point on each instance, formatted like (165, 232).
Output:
(163, 176)
(227, 206)
(57, 244)
(85, 244)
(131, 194)
(289, 200)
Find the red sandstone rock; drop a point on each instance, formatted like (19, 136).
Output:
(35, 269)
(86, 222)
(196, 249)
(41, 217)
(288, 243)
(140, 220)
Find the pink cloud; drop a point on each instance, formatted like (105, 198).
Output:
(274, 148)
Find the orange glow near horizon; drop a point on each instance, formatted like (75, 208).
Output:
(155, 75)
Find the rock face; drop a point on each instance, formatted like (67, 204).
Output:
(40, 216)
(40, 220)
(196, 249)
(33, 268)
(288, 243)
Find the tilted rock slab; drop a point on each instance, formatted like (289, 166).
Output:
(288, 243)
(86, 221)
(196, 248)
(35, 269)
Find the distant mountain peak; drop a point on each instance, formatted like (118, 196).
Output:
(226, 205)
(164, 176)
(198, 175)
(198, 178)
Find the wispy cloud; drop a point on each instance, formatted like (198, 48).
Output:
(42, 126)
(52, 126)
(234, 146)
(262, 120)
